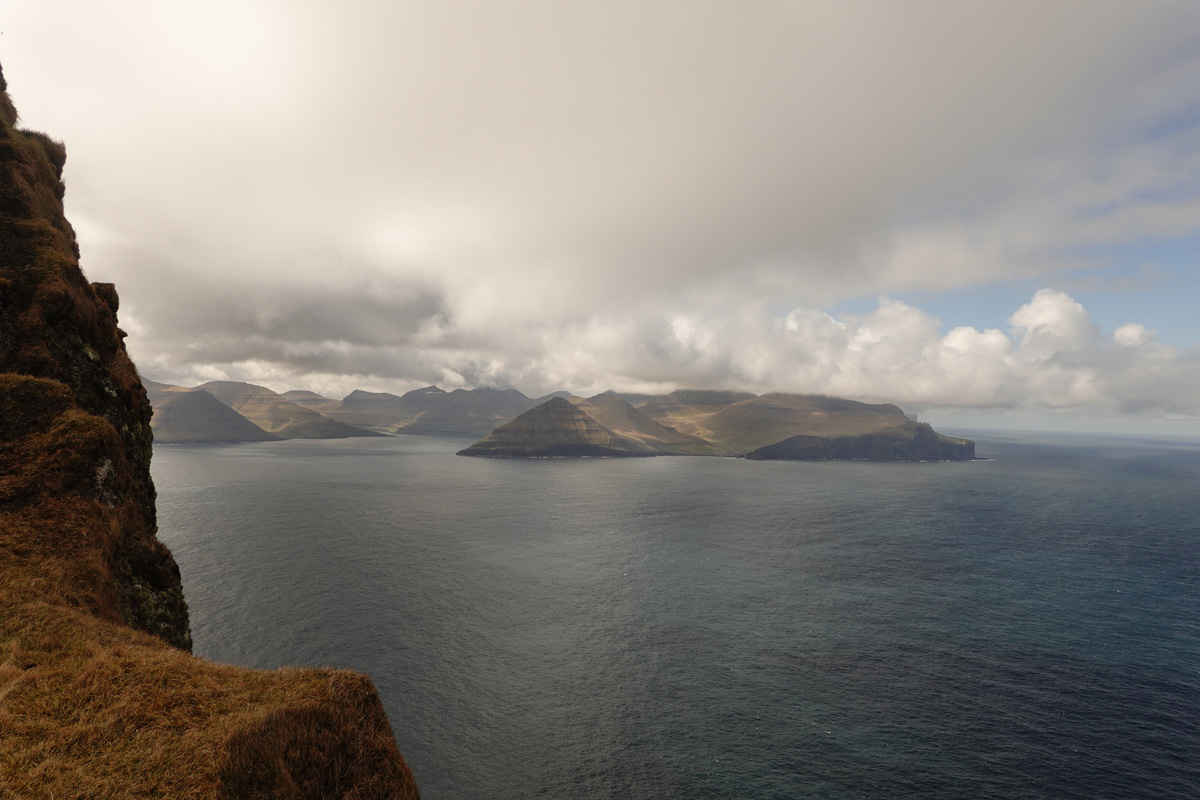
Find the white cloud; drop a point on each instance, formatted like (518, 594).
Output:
(1053, 358)
(1133, 334)
(1052, 324)
(622, 194)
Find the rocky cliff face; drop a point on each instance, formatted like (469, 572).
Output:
(99, 696)
(72, 401)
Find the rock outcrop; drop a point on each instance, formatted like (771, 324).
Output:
(75, 421)
(99, 696)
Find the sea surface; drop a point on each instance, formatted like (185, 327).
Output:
(1026, 626)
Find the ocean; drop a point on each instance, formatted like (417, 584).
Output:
(1026, 626)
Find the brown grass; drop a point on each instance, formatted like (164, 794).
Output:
(92, 709)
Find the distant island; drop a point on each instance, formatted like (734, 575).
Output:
(233, 411)
(686, 422)
(734, 424)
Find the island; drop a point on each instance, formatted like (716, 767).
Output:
(223, 412)
(720, 423)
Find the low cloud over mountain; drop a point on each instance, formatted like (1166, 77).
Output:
(639, 195)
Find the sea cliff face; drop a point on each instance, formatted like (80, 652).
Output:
(100, 697)
(76, 420)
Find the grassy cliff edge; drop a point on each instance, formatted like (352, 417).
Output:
(99, 696)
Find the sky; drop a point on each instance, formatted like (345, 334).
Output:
(987, 213)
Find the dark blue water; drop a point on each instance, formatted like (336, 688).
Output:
(1023, 627)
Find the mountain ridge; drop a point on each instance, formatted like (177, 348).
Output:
(771, 426)
(555, 428)
(197, 417)
(276, 414)
(684, 422)
(615, 414)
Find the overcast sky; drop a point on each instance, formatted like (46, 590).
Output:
(979, 211)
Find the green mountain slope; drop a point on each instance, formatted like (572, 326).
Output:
(770, 418)
(379, 411)
(622, 419)
(317, 402)
(197, 417)
(687, 410)
(467, 412)
(771, 426)
(911, 441)
(159, 393)
(426, 411)
(554, 428)
(276, 414)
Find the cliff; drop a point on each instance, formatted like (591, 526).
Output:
(99, 696)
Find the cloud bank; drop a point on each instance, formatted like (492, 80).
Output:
(627, 194)
(1051, 358)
